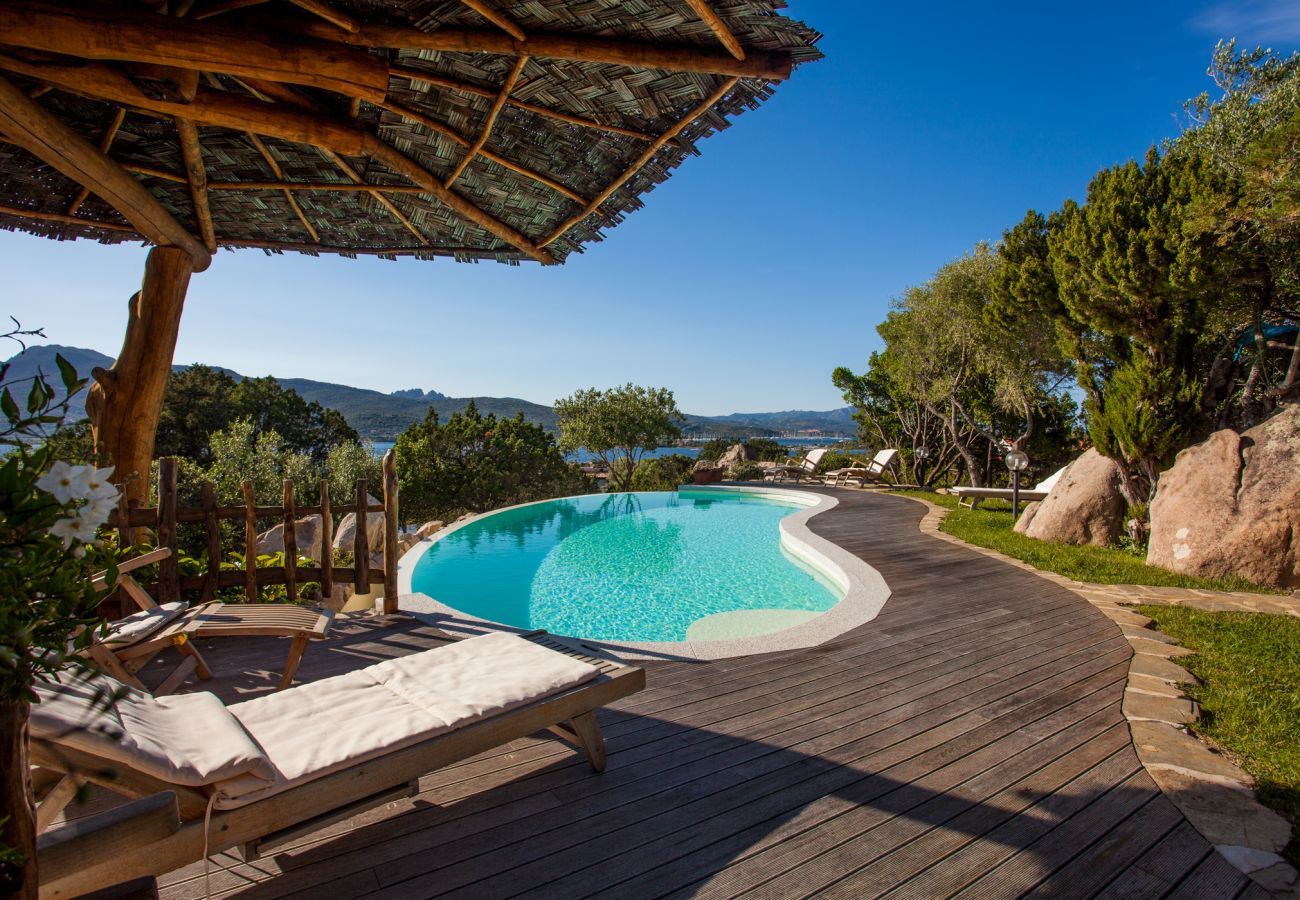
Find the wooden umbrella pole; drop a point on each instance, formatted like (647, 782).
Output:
(125, 402)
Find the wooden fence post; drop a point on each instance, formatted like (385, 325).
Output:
(361, 541)
(390, 533)
(250, 542)
(212, 577)
(326, 543)
(168, 573)
(290, 544)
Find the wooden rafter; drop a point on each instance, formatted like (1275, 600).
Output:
(38, 131)
(333, 16)
(770, 65)
(224, 6)
(156, 173)
(346, 168)
(93, 32)
(197, 175)
(61, 219)
(496, 18)
(719, 28)
(473, 90)
(643, 159)
(451, 134)
(104, 144)
(225, 110)
(315, 187)
(288, 195)
(491, 120)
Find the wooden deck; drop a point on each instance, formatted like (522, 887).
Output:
(968, 741)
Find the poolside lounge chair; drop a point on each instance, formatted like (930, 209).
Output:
(804, 468)
(971, 496)
(872, 473)
(133, 641)
(269, 769)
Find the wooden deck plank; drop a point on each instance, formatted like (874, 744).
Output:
(1212, 879)
(969, 738)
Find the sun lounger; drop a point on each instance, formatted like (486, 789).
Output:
(805, 468)
(133, 641)
(971, 496)
(284, 764)
(872, 473)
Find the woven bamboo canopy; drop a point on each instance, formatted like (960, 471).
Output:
(498, 129)
(476, 129)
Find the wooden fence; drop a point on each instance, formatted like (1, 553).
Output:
(167, 515)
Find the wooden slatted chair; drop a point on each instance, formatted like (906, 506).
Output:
(260, 773)
(134, 641)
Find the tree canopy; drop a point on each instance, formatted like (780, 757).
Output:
(474, 463)
(955, 381)
(202, 400)
(619, 425)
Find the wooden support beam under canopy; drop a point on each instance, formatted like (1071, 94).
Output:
(93, 31)
(353, 102)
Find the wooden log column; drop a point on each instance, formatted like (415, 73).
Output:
(125, 402)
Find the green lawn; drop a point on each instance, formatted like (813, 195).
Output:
(1249, 666)
(990, 526)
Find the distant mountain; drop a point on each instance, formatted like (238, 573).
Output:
(382, 417)
(835, 421)
(33, 360)
(417, 394)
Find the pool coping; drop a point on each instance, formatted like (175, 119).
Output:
(865, 590)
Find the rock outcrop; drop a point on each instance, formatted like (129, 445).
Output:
(346, 533)
(307, 533)
(736, 454)
(1085, 506)
(1230, 506)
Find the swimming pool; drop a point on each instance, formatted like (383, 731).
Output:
(636, 567)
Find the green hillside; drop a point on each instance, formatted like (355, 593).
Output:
(382, 417)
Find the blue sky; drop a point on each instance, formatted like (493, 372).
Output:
(759, 266)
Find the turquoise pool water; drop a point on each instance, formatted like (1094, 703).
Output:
(622, 567)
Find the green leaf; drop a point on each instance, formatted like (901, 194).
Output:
(69, 375)
(9, 407)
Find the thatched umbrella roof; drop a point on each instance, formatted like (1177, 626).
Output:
(501, 129)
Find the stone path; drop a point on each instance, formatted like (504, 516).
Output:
(1215, 795)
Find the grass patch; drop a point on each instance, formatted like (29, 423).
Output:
(1249, 666)
(990, 526)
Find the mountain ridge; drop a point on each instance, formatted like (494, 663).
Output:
(378, 416)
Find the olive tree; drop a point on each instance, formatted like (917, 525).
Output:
(619, 425)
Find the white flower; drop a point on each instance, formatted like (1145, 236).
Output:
(97, 486)
(73, 528)
(63, 481)
(96, 512)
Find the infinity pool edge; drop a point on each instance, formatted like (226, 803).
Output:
(864, 590)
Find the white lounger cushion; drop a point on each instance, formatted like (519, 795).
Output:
(333, 724)
(185, 739)
(138, 626)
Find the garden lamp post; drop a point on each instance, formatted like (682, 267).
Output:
(1017, 461)
(921, 454)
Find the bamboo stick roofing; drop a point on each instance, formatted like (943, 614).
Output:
(476, 129)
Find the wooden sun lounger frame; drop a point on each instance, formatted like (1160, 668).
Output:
(569, 714)
(975, 495)
(206, 621)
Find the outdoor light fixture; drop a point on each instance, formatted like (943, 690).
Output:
(1017, 461)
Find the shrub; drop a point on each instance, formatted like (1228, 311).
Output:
(747, 471)
(664, 473)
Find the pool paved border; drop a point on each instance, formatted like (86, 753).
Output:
(865, 591)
